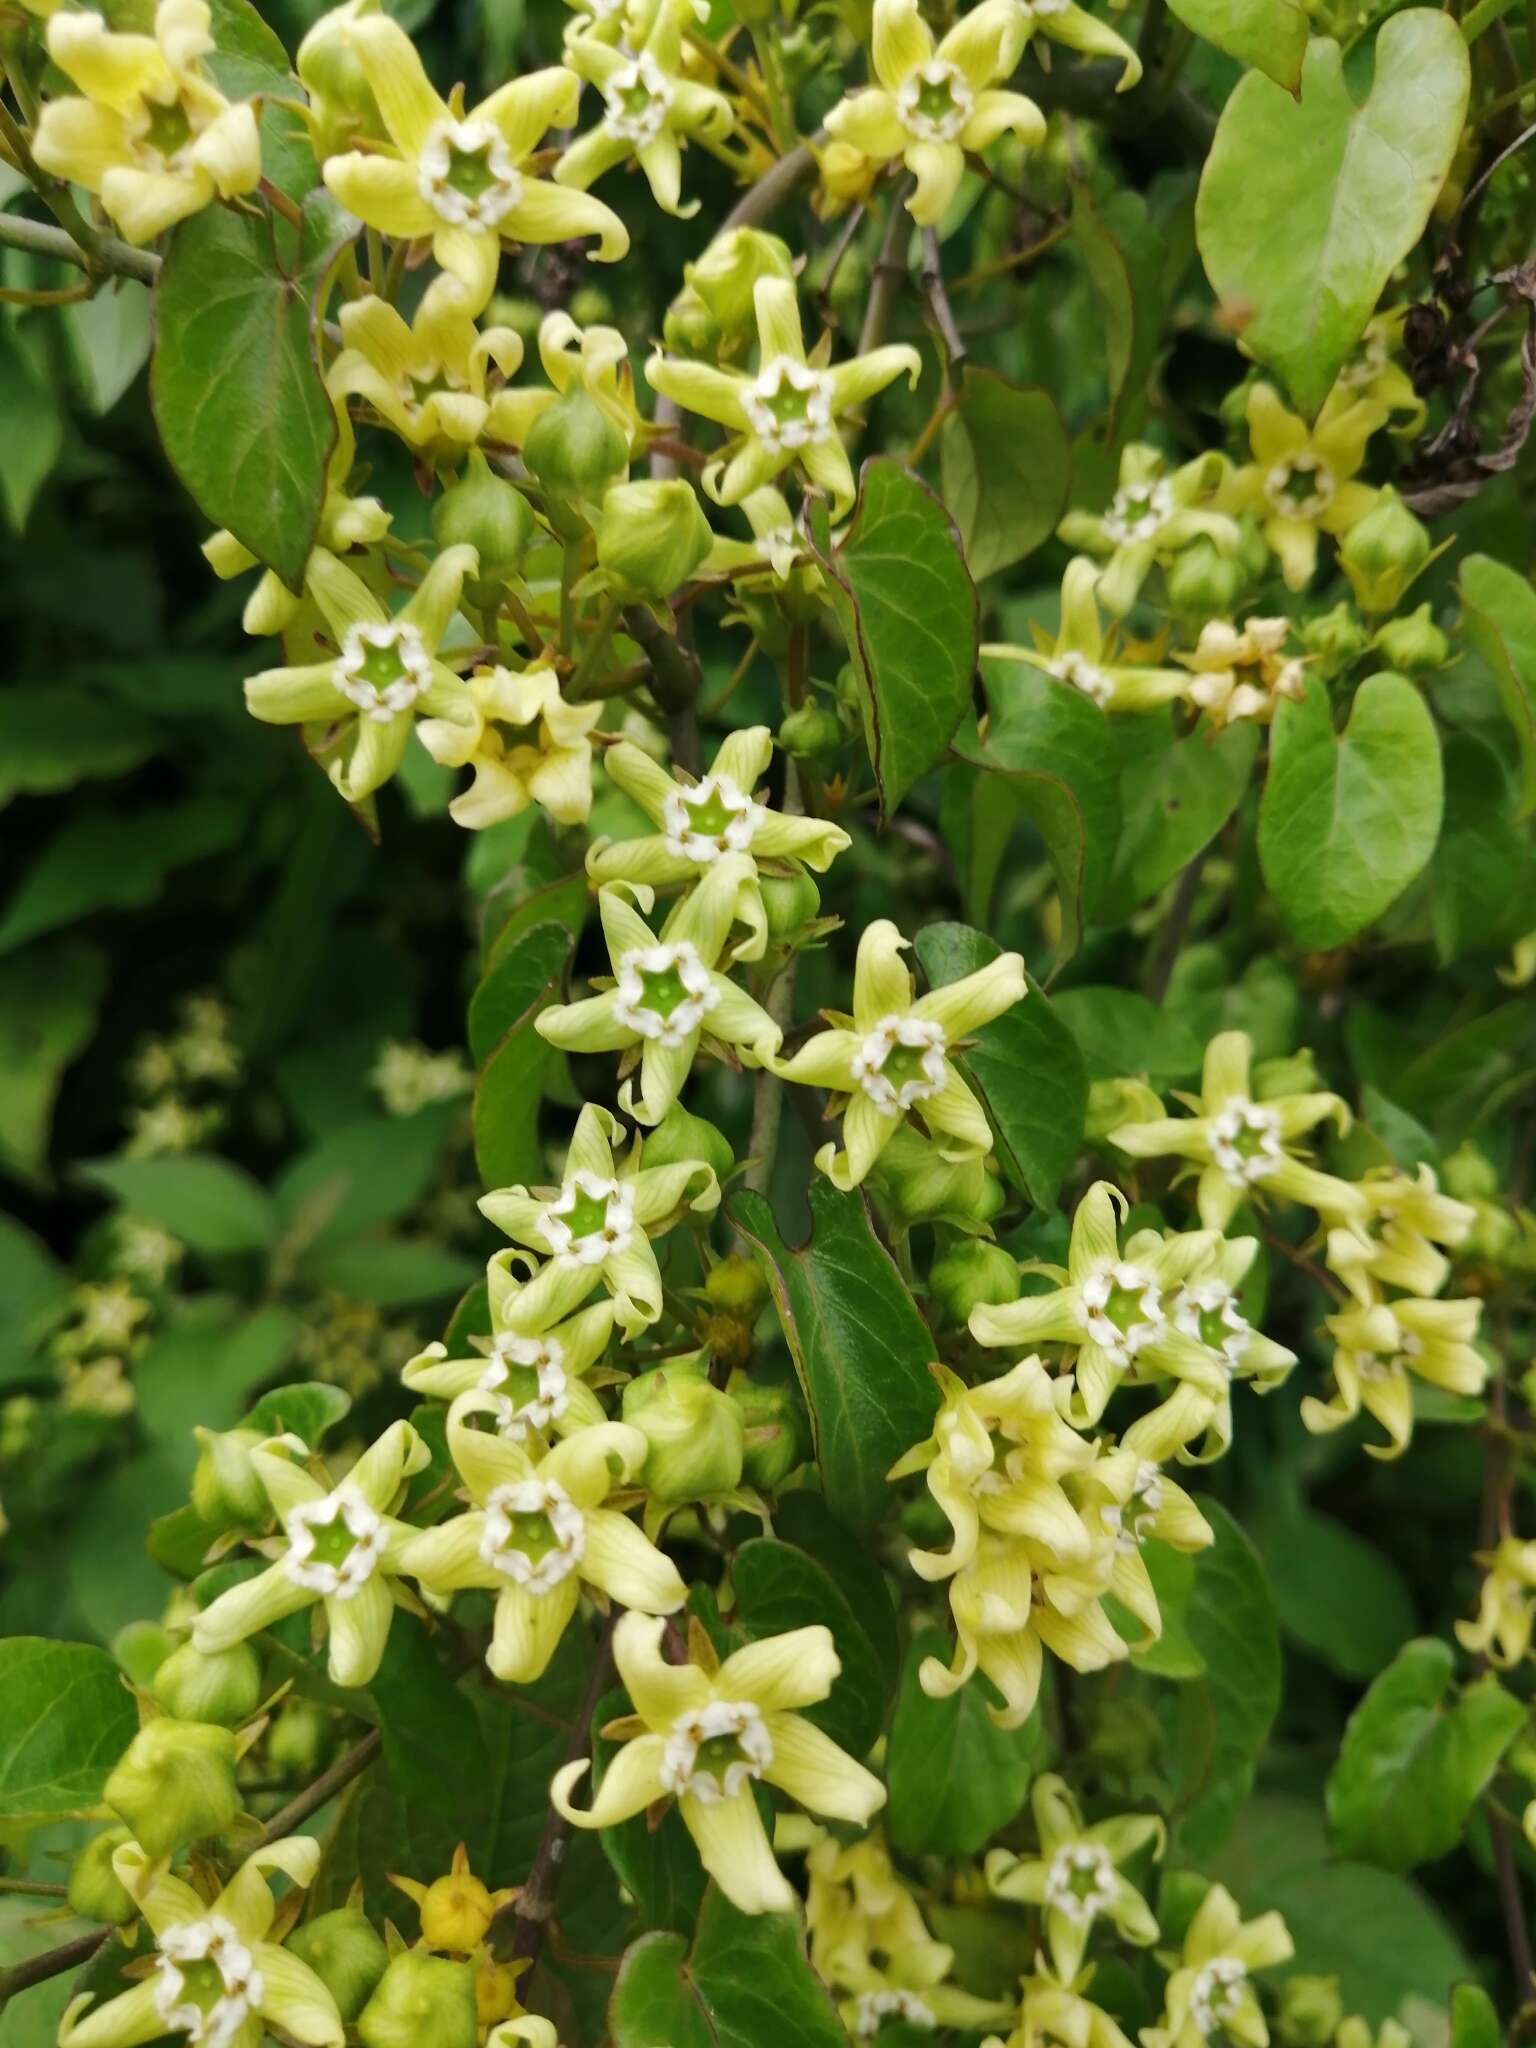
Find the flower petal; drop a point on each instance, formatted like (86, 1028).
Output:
(528, 1628)
(405, 97)
(622, 1562)
(381, 191)
(244, 1609)
(359, 1631)
(631, 1783)
(554, 213)
(658, 1691)
(733, 1846)
(816, 1773)
(796, 1669)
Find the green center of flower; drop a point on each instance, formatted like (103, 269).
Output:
(531, 1534)
(334, 1542)
(1125, 1307)
(634, 101)
(380, 666)
(718, 1753)
(934, 99)
(202, 1984)
(710, 817)
(587, 1214)
(471, 171)
(1214, 1328)
(167, 129)
(903, 1064)
(664, 991)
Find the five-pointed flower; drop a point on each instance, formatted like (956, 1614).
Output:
(668, 995)
(1153, 514)
(461, 178)
(996, 1460)
(1241, 1145)
(339, 1544)
(1301, 482)
(1506, 1605)
(1211, 1991)
(153, 137)
(1082, 655)
(524, 743)
(706, 1735)
(892, 1056)
(1199, 1405)
(788, 410)
(1395, 1244)
(363, 702)
(533, 1375)
(593, 360)
(216, 1977)
(701, 823)
(1114, 1306)
(650, 108)
(1237, 676)
(1378, 1353)
(538, 1534)
(931, 104)
(1075, 1877)
(595, 1229)
(1060, 2013)
(426, 378)
(1125, 1496)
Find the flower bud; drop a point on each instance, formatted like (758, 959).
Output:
(342, 105)
(690, 329)
(224, 1687)
(694, 1432)
(1383, 552)
(735, 1284)
(421, 2001)
(1335, 639)
(298, 1738)
(771, 1424)
(96, 1892)
(345, 1953)
(681, 1136)
(726, 275)
(1413, 644)
(174, 1784)
(1112, 1104)
(918, 1185)
(1295, 1074)
(455, 1912)
(972, 1274)
(812, 734)
(1205, 584)
(1310, 2011)
(789, 903)
(488, 513)
(1469, 1174)
(226, 1492)
(652, 536)
(1492, 1236)
(496, 1989)
(574, 449)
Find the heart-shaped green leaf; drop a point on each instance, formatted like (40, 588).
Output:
(1306, 207)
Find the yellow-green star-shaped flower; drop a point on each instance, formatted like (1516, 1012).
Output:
(1082, 655)
(364, 701)
(1075, 1878)
(933, 103)
(892, 1056)
(787, 412)
(538, 1534)
(668, 995)
(461, 178)
(705, 1732)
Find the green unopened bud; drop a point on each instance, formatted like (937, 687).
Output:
(970, 1275)
(726, 275)
(812, 734)
(1469, 1174)
(652, 536)
(771, 1419)
(226, 1492)
(342, 105)
(175, 1783)
(1493, 1234)
(299, 1738)
(694, 1432)
(345, 1953)
(1309, 2012)
(681, 1136)
(918, 1185)
(1413, 644)
(1383, 552)
(224, 1687)
(735, 1284)
(1112, 1104)
(850, 695)
(1203, 583)
(421, 2001)
(789, 903)
(574, 449)
(489, 514)
(1295, 1074)
(690, 329)
(1335, 638)
(96, 1892)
